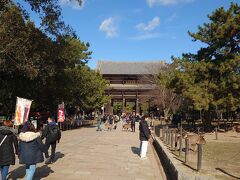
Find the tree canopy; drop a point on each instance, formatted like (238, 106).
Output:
(37, 66)
(210, 78)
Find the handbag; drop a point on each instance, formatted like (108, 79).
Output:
(3, 140)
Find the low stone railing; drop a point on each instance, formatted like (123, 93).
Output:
(174, 168)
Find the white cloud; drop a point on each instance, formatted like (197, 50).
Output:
(75, 4)
(146, 36)
(109, 27)
(150, 36)
(152, 3)
(146, 30)
(172, 17)
(150, 26)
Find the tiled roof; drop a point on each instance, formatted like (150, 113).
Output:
(113, 67)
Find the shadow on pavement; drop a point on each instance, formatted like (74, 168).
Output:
(135, 150)
(17, 173)
(234, 136)
(183, 163)
(89, 126)
(223, 171)
(41, 172)
(58, 155)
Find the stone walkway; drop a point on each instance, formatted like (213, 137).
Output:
(86, 154)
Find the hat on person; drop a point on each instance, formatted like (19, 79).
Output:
(26, 126)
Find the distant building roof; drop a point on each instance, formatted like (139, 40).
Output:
(131, 68)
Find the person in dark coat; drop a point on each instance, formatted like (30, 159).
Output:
(31, 149)
(50, 140)
(8, 147)
(133, 121)
(144, 134)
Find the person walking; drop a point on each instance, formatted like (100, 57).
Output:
(144, 134)
(8, 147)
(52, 134)
(111, 122)
(99, 123)
(31, 149)
(133, 121)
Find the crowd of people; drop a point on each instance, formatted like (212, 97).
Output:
(27, 144)
(108, 121)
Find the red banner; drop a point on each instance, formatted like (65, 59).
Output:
(61, 114)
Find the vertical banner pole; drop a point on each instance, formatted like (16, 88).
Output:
(61, 114)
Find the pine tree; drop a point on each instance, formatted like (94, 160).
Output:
(211, 77)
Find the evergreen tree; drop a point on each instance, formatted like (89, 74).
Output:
(211, 77)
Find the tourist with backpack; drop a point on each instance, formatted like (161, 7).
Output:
(52, 134)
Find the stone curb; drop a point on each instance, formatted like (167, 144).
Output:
(173, 171)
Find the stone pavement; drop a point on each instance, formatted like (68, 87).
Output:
(86, 154)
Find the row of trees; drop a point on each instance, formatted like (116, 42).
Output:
(47, 64)
(208, 81)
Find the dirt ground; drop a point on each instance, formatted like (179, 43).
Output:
(221, 157)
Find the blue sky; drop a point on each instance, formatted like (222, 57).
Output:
(138, 30)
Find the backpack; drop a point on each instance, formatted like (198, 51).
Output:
(53, 134)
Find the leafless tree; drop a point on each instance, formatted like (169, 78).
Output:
(160, 95)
